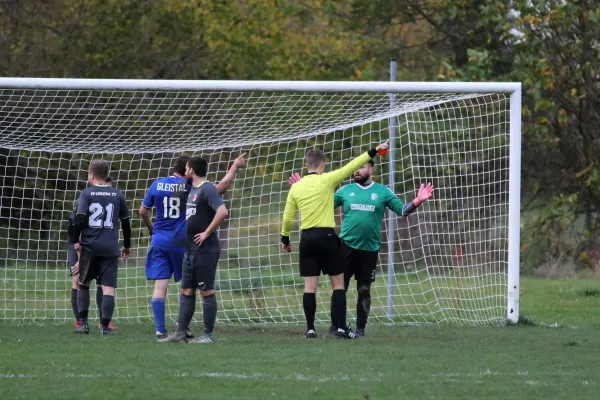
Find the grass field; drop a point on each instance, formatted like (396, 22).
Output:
(263, 294)
(554, 354)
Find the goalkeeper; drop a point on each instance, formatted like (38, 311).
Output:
(364, 203)
(319, 244)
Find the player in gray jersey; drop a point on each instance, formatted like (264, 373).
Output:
(73, 264)
(205, 212)
(96, 235)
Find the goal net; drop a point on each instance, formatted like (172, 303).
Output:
(452, 260)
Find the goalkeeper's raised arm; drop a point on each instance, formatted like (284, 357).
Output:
(319, 244)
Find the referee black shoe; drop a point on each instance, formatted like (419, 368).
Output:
(333, 329)
(343, 334)
(360, 333)
(108, 331)
(310, 334)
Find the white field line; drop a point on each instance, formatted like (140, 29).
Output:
(225, 375)
(452, 377)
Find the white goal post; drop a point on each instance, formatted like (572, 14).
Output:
(455, 260)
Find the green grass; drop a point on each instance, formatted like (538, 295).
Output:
(530, 361)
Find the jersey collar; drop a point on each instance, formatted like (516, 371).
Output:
(200, 184)
(365, 187)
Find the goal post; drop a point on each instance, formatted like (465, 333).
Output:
(455, 260)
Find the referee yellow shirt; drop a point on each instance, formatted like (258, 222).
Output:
(313, 196)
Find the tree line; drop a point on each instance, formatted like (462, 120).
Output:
(552, 47)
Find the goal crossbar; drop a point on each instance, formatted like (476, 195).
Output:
(287, 86)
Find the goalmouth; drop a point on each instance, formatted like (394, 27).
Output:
(455, 260)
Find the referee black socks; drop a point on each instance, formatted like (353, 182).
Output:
(309, 302)
(338, 306)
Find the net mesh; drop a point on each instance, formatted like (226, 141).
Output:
(450, 257)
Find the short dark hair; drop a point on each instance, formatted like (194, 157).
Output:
(371, 162)
(109, 180)
(199, 166)
(100, 169)
(314, 158)
(179, 165)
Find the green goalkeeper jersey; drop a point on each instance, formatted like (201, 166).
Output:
(364, 208)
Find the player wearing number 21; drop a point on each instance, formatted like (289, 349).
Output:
(99, 210)
(165, 256)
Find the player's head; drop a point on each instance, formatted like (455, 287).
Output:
(315, 161)
(180, 165)
(196, 166)
(364, 173)
(98, 172)
(109, 181)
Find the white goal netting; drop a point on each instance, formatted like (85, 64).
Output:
(450, 257)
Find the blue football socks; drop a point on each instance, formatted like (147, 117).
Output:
(158, 308)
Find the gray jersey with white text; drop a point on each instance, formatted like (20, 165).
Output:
(201, 207)
(104, 206)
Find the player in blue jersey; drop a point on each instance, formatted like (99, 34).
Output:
(165, 257)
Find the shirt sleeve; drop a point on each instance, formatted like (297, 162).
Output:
(71, 228)
(338, 198)
(212, 197)
(83, 203)
(123, 209)
(288, 214)
(334, 178)
(393, 203)
(73, 213)
(148, 201)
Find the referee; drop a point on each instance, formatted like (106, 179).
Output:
(319, 244)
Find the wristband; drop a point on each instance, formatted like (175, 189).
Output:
(408, 209)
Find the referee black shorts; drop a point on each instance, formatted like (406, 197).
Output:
(319, 252)
(361, 264)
